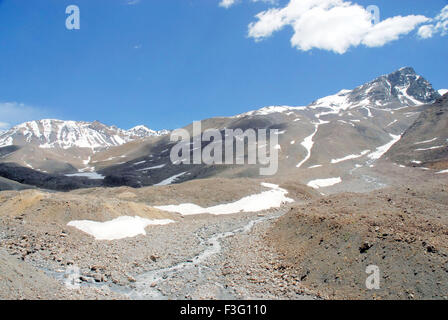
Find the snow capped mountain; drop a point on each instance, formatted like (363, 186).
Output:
(5, 141)
(345, 135)
(401, 88)
(143, 131)
(442, 91)
(51, 133)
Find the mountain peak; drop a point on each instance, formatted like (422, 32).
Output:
(140, 127)
(401, 88)
(143, 131)
(406, 70)
(408, 84)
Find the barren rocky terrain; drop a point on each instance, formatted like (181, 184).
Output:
(315, 248)
(35, 238)
(328, 243)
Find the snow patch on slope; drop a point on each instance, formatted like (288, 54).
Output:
(381, 150)
(273, 198)
(269, 110)
(426, 141)
(349, 157)
(322, 183)
(119, 228)
(152, 168)
(308, 142)
(89, 175)
(431, 148)
(336, 102)
(5, 142)
(170, 180)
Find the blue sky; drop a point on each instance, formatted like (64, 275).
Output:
(167, 63)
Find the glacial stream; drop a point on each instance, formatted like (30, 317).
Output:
(146, 286)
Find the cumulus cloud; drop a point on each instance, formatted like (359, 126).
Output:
(391, 29)
(426, 31)
(12, 113)
(333, 25)
(439, 25)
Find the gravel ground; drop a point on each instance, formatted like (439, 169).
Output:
(211, 257)
(318, 247)
(328, 243)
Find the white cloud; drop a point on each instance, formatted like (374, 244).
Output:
(426, 31)
(334, 25)
(227, 3)
(132, 2)
(439, 25)
(12, 113)
(391, 29)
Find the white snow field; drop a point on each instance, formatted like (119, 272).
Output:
(90, 175)
(119, 228)
(381, 150)
(170, 180)
(308, 142)
(269, 110)
(426, 141)
(273, 198)
(349, 157)
(393, 122)
(431, 148)
(322, 183)
(152, 168)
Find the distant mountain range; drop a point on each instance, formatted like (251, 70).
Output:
(51, 133)
(339, 138)
(58, 146)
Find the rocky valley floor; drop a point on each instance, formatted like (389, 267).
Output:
(315, 248)
(202, 257)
